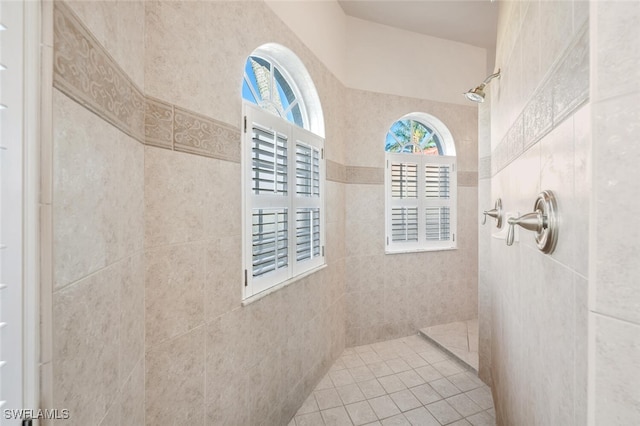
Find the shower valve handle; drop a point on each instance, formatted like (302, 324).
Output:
(495, 213)
(530, 221)
(543, 221)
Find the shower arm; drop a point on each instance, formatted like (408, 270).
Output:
(491, 77)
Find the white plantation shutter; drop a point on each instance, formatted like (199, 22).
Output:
(420, 202)
(308, 200)
(284, 207)
(438, 206)
(404, 201)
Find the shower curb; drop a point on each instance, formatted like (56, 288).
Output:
(453, 356)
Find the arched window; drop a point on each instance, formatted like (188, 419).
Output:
(420, 185)
(283, 166)
(266, 86)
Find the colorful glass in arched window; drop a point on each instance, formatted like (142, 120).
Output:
(413, 137)
(267, 85)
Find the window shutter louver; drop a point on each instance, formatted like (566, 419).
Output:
(307, 170)
(269, 161)
(270, 241)
(404, 224)
(307, 234)
(437, 224)
(437, 181)
(404, 180)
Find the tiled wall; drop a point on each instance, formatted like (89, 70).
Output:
(533, 341)
(206, 355)
(147, 323)
(394, 295)
(93, 292)
(614, 301)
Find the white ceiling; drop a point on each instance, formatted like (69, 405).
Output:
(468, 21)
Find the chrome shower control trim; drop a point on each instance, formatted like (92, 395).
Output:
(495, 213)
(543, 221)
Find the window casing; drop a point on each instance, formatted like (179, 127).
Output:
(284, 178)
(420, 190)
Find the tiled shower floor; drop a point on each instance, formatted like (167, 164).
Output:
(407, 381)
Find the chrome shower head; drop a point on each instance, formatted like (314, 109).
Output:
(477, 94)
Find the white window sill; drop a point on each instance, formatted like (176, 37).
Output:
(249, 300)
(401, 251)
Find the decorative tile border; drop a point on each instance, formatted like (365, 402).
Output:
(365, 175)
(84, 71)
(469, 179)
(158, 123)
(197, 134)
(336, 172)
(565, 89)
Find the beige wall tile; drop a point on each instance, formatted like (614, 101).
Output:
(228, 397)
(364, 203)
(131, 315)
(615, 49)
(175, 380)
(174, 295)
(616, 371)
(365, 273)
(86, 344)
(229, 351)
(132, 396)
(223, 276)
(174, 197)
(97, 189)
(556, 27)
(364, 238)
(222, 199)
(129, 189)
(335, 201)
(558, 173)
(616, 187)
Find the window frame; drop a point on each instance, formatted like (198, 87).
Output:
(256, 285)
(421, 202)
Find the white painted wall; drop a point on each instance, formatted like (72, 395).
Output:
(321, 25)
(388, 60)
(368, 56)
